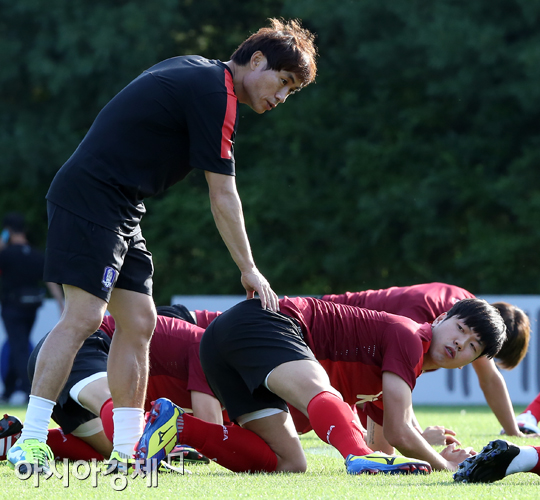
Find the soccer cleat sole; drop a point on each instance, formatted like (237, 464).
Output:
(401, 469)
(489, 465)
(10, 425)
(190, 455)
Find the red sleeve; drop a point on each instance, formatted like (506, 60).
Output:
(227, 129)
(196, 378)
(404, 350)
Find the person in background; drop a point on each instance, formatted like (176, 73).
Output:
(21, 295)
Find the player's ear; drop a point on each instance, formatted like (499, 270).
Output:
(257, 59)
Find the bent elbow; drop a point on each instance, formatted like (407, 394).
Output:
(396, 439)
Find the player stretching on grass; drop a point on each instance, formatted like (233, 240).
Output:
(179, 115)
(256, 361)
(425, 302)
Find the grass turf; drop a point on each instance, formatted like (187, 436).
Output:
(326, 477)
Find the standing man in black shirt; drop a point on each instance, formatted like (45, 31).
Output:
(21, 295)
(178, 115)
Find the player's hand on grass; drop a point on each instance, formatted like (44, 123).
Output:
(438, 435)
(522, 435)
(253, 281)
(454, 456)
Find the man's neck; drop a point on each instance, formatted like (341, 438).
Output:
(428, 363)
(238, 73)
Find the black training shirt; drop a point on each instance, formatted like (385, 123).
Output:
(178, 115)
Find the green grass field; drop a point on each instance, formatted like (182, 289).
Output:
(326, 477)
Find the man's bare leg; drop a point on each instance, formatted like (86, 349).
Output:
(127, 369)
(82, 316)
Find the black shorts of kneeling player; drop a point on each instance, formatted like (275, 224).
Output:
(241, 347)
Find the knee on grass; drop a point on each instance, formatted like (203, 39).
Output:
(298, 464)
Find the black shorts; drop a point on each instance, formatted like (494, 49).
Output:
(91, 359)
(93, 258)
(241, 347)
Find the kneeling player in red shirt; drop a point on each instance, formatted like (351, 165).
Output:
(424, 303)
(256, 361)
(84, 409)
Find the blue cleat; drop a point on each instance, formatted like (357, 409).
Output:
(387, 464)
(160, 433)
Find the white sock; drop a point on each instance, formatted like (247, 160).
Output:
(128, 429)
(524, 462)
(38, 417)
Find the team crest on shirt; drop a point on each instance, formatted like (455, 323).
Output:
(109, 278)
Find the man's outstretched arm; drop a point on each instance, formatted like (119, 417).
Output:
(496, 393)
(400, 433)
(227, 211)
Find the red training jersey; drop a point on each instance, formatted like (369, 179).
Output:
(356, 345)
(204, 318)
(422, 303)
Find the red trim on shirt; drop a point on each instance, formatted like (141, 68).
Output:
(230, 118)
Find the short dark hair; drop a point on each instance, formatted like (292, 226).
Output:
(518, 334)
(14, 221)
(178, 311)
(286, 45)
(485, 320)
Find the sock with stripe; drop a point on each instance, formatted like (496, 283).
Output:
(334, 422)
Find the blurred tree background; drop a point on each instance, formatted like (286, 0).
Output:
(413, 158)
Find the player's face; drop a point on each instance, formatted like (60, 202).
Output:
(265, 88)
(454, 344)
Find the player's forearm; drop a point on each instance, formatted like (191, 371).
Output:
(498, 399)
(229, 219)
(408, 441)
